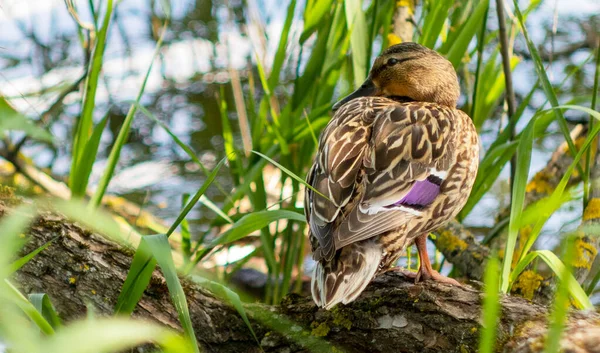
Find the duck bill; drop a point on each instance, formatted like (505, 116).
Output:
(368, 88)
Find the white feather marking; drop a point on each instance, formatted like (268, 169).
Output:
(442, 174)
(374, 209)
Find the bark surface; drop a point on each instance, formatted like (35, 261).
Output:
(81, 268)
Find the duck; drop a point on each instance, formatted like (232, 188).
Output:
(396, 161)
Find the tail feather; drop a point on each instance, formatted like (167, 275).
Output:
(344, 278)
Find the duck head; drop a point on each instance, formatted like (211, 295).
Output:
(410, 72)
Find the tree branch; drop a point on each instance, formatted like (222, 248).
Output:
(81, 268)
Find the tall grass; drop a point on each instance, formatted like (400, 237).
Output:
(280, 122)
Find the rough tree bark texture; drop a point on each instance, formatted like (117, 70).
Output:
(393, 315)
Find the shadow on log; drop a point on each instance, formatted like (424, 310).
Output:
(81, 268)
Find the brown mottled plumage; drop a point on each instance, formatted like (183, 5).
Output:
(396, 161)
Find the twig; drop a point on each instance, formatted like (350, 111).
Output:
(403, 20)
(510, 94)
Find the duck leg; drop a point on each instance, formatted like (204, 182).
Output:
(425, 270)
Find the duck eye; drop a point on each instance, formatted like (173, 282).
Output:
(392, 61)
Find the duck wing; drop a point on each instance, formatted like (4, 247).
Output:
(380, 163)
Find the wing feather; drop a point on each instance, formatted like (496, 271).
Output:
(370, 156)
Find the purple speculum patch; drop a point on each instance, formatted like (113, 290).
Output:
(422, 193)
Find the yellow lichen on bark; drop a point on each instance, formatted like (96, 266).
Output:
(585, 254)
(592, 210)
(540, 184)
(527, 283)
(410, 4)
(393, 39)
(450, 242)
(321, 330)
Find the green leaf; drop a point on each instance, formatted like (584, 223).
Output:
(43, 305)
(579, 296)
(15, 266)
(280, 54)
(85, 122)
(12, 227)
(137, 280)
(161, 250)
(467, 32)
(491, 307)
(196, 197)
(228, 295)
(314, 12)
(143, 264)
(548, 89)
(78, 180)
(11, 120)
(123, 135)
(357, 26)
(518, 198)
(205, 200)
(106, 335)
(253, 222)
(489, 170)
(560, 308)
(28, 309)
(291, 174)
(433, 23)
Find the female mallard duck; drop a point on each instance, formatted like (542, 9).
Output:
(396, 162)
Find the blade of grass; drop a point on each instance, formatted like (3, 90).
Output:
(588, 160)
(81, 175)
(491, 307)
(228, 295)
(186, 239)
(467, 32)
(15, 266)
(123, 135)
(13, 120)
(357, 26)
(210, 205)
(547, 208)
(518, 194)
(137, 280)
(183, 146)
(143, 264)
(85, 121)
(105, 335)
(434, 21)
(251, 223)
(489, 170)
(44, 306)
(313, 15)
(161, 251)
(291, 174)
(230, 151)
(547, 86)
(580, 298)
(518, 197)
(560, 308)
(283, 42)
(27, 308)
(593, 284)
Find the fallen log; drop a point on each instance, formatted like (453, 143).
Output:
(81, 269)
